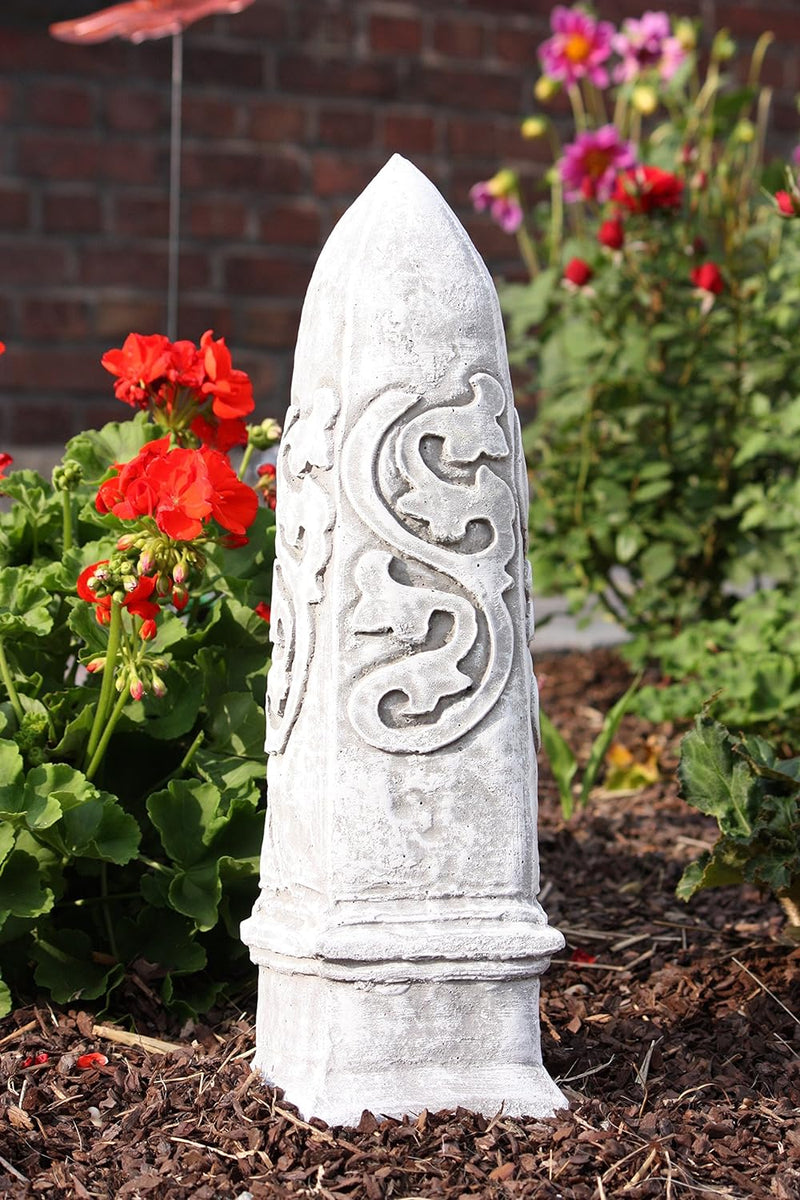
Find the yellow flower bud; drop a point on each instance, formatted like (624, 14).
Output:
(546, 88)
(744, 131)
(686, 33)
(644, 99)
(723, 47)
(504, 183)
(533, 127)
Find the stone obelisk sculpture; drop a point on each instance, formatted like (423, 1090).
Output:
(397, 934)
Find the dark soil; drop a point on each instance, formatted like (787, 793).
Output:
(674, 1031)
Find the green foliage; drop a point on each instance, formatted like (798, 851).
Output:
(152, 856)
(755, 799)
(562, 760)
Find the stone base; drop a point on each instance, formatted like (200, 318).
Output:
(337, 1048)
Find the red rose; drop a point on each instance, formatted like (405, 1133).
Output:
(708, 278)
(578, 272)
(645, 189)
(611, 233)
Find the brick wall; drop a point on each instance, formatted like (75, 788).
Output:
(289, 109)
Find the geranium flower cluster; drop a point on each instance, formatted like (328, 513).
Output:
(180, 500)
(193, 391)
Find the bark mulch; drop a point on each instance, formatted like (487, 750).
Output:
(674, 1032)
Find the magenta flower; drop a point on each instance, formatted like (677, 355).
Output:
(500, 195)
(645, 45)
(578, 48)
(592, 162)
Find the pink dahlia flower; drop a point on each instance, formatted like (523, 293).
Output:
(646, 44)
(592, 162)
(500, 195)
(578, 48)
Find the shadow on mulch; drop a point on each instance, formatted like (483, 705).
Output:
(673, 1030)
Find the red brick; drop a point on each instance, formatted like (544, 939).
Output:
(195, 316)
(34, 50)
(743, 22)
(291, 224)
(336, 76)
(459, 38)
(131, 161)
(27, 262)
(335, 176)
(208, 116)
(115, 319)
(271, 325)
(318, 26)
(38, 422)
(515, 45)
(71, 212)
(15, 208)
(61, 105)
(29, 370)
(132, 110)
(395, 35)
(53, 157)
(6, 100)
(409, 134)
(213, 66)
(276, 121)
(260, 20)
(346, 127)
(276, 172)
(132, 266)
(491, 91)
(262, 370)
(55, 320)
(218, 218)
(143, 216)
(258, 274)
(478, 137)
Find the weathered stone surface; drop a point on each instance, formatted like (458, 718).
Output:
(398, 936)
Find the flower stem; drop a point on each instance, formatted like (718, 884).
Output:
(245, 463)
(578, 110)
(116, 713)
(109, 924)
(527, 249)
(5, 674)
(107, 688)
(66, 508)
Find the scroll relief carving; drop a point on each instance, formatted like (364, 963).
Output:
(302, 551)
(434, 601)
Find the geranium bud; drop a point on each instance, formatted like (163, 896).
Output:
(129, 583)
(126, 541)
(95, 665)
(611, 233)
(148, 630)
(578, 272)
(163, 584)
(136, 689)
(644, 99)
(94, 1059)
(180, 598)
(145, 563)
(533, 127)
(788, 205)
(179, 572)
(157, 686)
(546, 88)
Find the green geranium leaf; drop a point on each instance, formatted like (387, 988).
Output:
(5, 1000)
(24, 606)
(233, 776)
(163, 937)
(196, 892)
(22, 890)
(173, 715)
(237, 726)
(186, 816)
(118, 442)
(710, 870)
(64, 965)
(12, 784)
(52, 788)
(7, 841)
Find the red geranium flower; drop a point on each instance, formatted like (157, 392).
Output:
(139, 20)
(578, 272)
(137, 601)
(223, 436)
(231, 390)
(234, 504)
(611, 233)
(140, 362)
(645, 189)
(5, 462)
(93, 1059)
(708, 278)
(262, 610)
